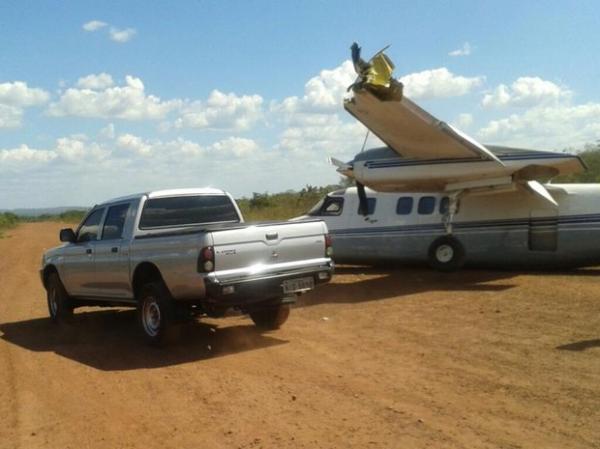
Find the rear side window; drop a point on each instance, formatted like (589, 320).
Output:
(371, 204)
(115, 222)
(187, 210)
(426, 205)
(404, 205)
(89, 229)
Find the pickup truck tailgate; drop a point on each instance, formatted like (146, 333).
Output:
(268, 248)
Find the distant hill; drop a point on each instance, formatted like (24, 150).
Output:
(36, 212)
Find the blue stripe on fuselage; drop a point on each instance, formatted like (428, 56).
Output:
(563, 221)
(510, 157)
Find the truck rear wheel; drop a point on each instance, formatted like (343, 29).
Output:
(446, 254)
(155, 313)
(270, 317)
(59, 304)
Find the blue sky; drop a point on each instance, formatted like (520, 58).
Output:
(100, 99)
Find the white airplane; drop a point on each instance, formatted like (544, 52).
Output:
(473, 203)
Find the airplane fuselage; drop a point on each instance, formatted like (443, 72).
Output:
(506, 229)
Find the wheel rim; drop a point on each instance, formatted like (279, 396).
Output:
(444, 253)
(151, 317)
(53, 302)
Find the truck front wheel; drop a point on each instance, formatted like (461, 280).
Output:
(59, 304)
(270, 317)
(155, 313)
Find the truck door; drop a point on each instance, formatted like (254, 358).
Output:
(112, 254)
(78, 265)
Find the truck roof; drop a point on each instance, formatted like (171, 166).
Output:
(168, 192)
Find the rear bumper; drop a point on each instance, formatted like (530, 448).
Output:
(261, 288)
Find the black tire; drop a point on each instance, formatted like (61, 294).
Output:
(446, 254)
(270, 317)
(60, 307)
(155, 314)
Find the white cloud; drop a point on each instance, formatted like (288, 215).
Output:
(115, 34)
(465, 50)
(108, 132)
(122, 36)
(322, 93)
(127, 102)
(330, 137)
(464, 120)
(93, 25)
(10, 116)
(236, 146)
(134, 144)
(77, 148)
(18, 94)
(228, 148)
(552, 127)
(222, 111)
(438, 83)
(526, 92)
(24, 154)
(95, 82)
(14, 97)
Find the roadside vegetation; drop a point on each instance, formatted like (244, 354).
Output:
(591, 157)
(284, 205)
(9, 220)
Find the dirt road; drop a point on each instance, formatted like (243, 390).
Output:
(398, 358)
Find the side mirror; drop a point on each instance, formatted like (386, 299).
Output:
(67, 235)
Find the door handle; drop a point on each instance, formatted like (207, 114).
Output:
(114, 249)
(88, 251)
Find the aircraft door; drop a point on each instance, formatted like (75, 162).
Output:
(543, 230)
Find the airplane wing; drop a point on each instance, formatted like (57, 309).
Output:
(427, 154)
(378, 102)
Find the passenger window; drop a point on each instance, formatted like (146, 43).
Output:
(89, 229)
(114, 222)
(332, 206)
(404, 205)
(371, 203)
(444, 205)
(426, 205)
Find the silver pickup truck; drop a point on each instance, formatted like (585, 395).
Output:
(174, 254)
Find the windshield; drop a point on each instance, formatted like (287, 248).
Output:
(316, 209)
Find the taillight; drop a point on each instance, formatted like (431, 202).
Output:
(206, 261)
(328, 246)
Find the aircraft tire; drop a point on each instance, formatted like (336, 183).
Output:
(446, 254)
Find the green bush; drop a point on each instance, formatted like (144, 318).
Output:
(284, 205)
(591, 157)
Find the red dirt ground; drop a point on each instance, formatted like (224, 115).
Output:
(379, 358)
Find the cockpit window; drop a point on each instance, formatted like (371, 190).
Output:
(328, 206)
